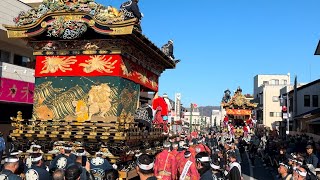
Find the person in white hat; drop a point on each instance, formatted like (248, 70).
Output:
(36, 171)
(187, 167)
(174, 151)
(10, 166)
(203, 165)
(144, 168)
(99, 165)
(63, 160)
(165, 164)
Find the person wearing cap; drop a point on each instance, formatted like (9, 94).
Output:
(10, 166)
(234, 172)
(311, 158)
(36, 171)
(165, 164)
(283, 170)
(2, 146)
(144, 168)
(99, 165)
(63, 160)
(203, 166)
(187, 167)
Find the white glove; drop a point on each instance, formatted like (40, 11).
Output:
(142, 15)
(114, 166)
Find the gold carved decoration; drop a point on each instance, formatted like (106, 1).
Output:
(55, 63)
(99, 63)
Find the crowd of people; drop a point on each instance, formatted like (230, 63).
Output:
(215, 155)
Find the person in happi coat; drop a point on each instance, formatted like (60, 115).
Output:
(36, 171)
(203, 147)
(63, 160)
(144, 168)
(187, 168)
(234, 172)
(203, 166)
(99, 165)
(175, 151)
(165, 164)
(10, 166)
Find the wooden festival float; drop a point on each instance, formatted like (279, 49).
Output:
(91, 65)
(238, 109)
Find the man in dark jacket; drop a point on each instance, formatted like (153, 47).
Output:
(203, 166)
(37, 171)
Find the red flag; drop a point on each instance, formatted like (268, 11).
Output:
(195, 105)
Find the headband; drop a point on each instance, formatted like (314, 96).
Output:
(80, 154)
(213, 166)
(282, 164)
(36, 159)
(145, 166)
(175, 145)
(187, 155)
(11, 160)
(204, 159)
(166, 145)
(67, 148)
(35, 146)
(15, 153)
(99, 152)
(301, 173)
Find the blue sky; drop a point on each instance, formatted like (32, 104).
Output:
(225, 43)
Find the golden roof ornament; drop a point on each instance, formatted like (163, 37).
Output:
(70, 19)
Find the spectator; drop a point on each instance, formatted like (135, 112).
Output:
(311, 157)
(58, 174)
(73, 172)
(2, 146)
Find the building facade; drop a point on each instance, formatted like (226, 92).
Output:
(305, 108)
(16, 68)
(266, 93)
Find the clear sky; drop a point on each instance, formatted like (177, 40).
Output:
(225, 43)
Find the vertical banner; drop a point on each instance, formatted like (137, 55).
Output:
(177, 106)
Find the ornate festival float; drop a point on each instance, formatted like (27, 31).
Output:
(91, 65)
(238, 108)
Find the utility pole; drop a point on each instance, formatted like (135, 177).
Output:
(191, 109)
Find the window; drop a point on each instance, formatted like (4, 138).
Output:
(275, 114)
(315, 101)
(273, 82)
(265, 82)
(306, 100)
(271, 114)
(4, 56)
(21, 60)
(284, 82)
(277, 82)
(275, 99)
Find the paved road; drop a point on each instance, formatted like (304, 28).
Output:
(258, 171)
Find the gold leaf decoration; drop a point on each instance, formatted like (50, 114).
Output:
(54, 63)
(99, 63)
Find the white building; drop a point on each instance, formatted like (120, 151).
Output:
(216, 116)
(195, 119)
(267, 92)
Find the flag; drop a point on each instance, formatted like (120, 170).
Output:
(195, 105)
